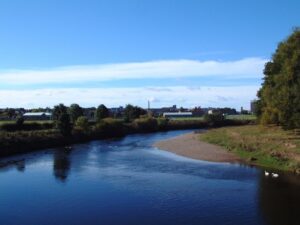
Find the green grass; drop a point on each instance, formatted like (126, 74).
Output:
(270, 147)
(241, 117)
(188, 118)
(26, 121)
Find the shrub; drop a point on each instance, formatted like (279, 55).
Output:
(145, 124)
(110, 126)
(162, 123)
(19, 121)
(215, 119)
(64, 124)
(82, 124)
(26, 126)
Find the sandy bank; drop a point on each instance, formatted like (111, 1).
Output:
(189, 145)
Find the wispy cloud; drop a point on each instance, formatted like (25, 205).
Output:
(244, 68)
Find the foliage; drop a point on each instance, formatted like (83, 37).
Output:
(11, 113)
(162, 123)
(26, 126)
(145, 124)
(214, 119)
(102, 112)
(58, 111)
(64, 124)
(110, 127)
(133, 112)
(82, 124)
(279, 97)
(20, 121)
(75, 112)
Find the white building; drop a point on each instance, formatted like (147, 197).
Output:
(37, 116)
(177, 114)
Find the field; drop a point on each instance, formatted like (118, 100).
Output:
(231, 117)
(188, 118)
(28, 122)
(241, 117)
(270, 146)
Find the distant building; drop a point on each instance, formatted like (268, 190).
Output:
(253, 106)
(37, 116)
(177, 114)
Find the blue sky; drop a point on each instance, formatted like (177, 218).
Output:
(208, 53)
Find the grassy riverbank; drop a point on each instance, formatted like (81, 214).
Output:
(270, 146)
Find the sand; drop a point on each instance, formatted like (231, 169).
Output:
(189, 145)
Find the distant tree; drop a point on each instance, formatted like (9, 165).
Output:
(214, 119)
(132, 112)
(58, 111)
(75, 112)
(11, 113)
(279, 97)
(64, 124)
(20, 121)
(102, 112)
(38, 110)
(82, 123)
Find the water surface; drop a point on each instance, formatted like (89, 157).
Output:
(126, 181)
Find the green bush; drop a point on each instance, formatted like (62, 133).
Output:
(82, 124)
(12, 127)
(214, 119)
(162, 123)
(64, 124)
(145, 124)
(109, 126)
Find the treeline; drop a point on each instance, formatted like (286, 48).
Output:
(279, 98)
(69, 127)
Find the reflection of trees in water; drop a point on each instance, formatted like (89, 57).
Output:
(61, 165)
(19, 164)
(279, 199)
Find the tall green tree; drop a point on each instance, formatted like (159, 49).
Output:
(75, 111)
(58, 110)
(102, 112)
(279, 97)
(64, 124)
(132, 112)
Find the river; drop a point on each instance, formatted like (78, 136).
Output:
(127, 181)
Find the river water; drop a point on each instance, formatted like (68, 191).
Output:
(126, 181)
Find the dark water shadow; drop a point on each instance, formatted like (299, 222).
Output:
(279, 199)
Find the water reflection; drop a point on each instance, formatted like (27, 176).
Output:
(279, 199)
(19, 164)
(61, 164)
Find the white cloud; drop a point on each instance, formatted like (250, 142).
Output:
(249, 67)
(164, 96)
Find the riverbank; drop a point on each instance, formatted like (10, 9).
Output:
(23, 140)
(270, 147)
(189, 145)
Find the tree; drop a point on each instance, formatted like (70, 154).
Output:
(132, 112)
(11, 113)
(64, 124)
(214, 119)
(75, 112)
(82, 123)
(20, 121)
(279, 97)
(102, 112)
(58, 111)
